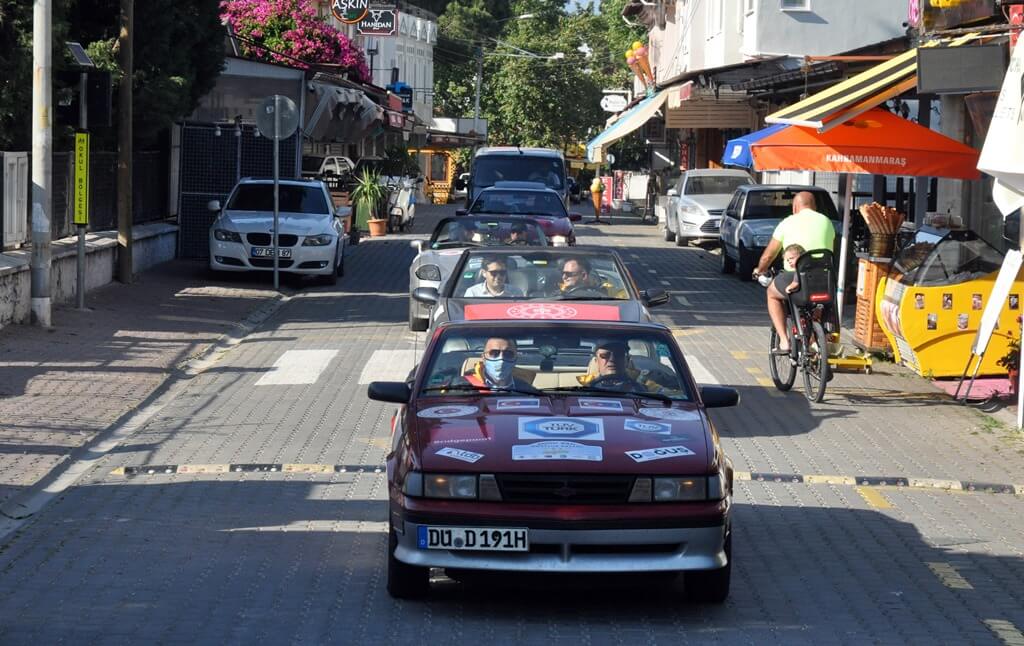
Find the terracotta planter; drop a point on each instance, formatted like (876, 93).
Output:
(378, 228)
(1014, 377)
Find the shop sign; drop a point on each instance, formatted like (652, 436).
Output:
(350, 12)
(613, 103)
(1016, 18)
(379, 21)
(948, 14)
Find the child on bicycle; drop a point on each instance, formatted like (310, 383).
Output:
(790, 256)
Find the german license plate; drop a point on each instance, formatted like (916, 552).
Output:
(491, 539)
(268, 252)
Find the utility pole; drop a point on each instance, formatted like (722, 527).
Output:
(42, 158)
(124, 151)
(479, 79)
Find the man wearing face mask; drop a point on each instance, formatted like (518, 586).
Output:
(494, 372)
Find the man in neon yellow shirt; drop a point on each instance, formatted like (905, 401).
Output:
(806, 227)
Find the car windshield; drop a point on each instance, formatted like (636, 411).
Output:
(547, 275)
(476, 232)
(488, 170)
(714, 184)
(778, 205)
(519, 202)
(560, 359)
(292, 199)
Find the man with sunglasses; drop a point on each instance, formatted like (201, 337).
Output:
(612, 370)
(495, 282)
(494, 372)
(578, 279)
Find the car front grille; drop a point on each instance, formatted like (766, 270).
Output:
(282, 263)
(265, 239)
(565, 489)
(711, 226)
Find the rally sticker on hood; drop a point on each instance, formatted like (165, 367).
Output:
(440, 412)
(601, 404)
(561, 428)
(505, 403)
(556, 451)
(646, 455)
(460, 454)
(670, 414)
(647, 426)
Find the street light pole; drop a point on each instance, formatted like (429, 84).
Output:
(479, 79)
(124, 153)
(42, 158)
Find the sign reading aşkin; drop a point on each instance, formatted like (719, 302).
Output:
(350, 12)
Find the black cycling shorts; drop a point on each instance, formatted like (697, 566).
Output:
(782, 280)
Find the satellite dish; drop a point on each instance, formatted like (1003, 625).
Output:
(287, 120)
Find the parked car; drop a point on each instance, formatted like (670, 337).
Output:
(696, 202)
(318, 166)
(436, 257)
(569, 470)
(311, 238)
(751, 217)
(539, 288)
(531, 199)
(516, 164)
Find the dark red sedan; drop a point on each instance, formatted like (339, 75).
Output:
(557, 446)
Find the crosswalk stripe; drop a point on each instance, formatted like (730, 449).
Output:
(297, 367)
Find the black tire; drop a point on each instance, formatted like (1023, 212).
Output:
(340, 270)
(331, 279)
(405, 581)
(781, 366)
(710, 586)
(815, 363)
(669, 236)
(416, 324)
(682, 241)
(746, 264)
(353, 237)
(728, 264)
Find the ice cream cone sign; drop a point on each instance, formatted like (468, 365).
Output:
(633, 65)
(640, 54)
(596, 188)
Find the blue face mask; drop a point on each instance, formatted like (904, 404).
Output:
(498, 370)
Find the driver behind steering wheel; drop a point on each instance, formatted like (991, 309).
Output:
(578, 279)
(612, 370)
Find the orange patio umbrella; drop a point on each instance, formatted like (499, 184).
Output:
(875, 143)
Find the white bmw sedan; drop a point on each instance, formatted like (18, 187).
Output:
(311, 238)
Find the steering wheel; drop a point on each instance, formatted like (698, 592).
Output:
(621, 383)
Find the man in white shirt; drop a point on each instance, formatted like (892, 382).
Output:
(495, 283)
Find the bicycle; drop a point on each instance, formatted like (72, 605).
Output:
(808, 312)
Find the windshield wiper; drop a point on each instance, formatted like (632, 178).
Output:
(611, 393)
(480, 389)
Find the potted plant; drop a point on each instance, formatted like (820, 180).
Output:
(368, 195)
(1011, 361)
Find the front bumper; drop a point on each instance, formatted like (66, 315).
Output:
(701, 229)
(670, 549)
(236, 256)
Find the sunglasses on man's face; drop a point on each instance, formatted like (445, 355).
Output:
(571, 274)
(605, 355)
(498, 272)
(495, 353)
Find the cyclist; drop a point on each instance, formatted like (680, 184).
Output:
(805, 227)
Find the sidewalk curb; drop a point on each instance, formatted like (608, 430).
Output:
(21, 508)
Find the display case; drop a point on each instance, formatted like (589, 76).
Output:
(931, 303)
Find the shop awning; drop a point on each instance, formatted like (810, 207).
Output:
(857, 94)
(338, 113)
(737, 151)
(627, 122)
(876, 143)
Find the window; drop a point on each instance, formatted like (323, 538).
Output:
(749, 6)
(715, 14)
(796, 5)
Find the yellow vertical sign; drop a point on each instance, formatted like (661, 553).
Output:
(81, 178)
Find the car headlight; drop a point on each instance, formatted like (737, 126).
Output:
(559, 241)
(762, 241)
(226, 236)
(678, 489)
(690, 209)
(428, 272)
(443, 485)
(321, 240)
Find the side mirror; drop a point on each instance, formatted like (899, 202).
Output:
(420, 180)
(395, 392)
(426, 295)
(460, 184)
(575, 217)
(672, 192)
(716, 396)
(461, 212)
(213, 205)
(654, 297)
(417, 245)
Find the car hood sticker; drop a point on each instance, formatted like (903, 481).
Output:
(646, 455)
(561, 428)
(460, 454)
(647, 426)
(556, 451)
(506, 403)
(675, 414)
(601, 404)
(440, 412)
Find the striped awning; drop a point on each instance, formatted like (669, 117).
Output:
(627, 122)
(857, 94)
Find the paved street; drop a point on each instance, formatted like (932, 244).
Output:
(249, 507)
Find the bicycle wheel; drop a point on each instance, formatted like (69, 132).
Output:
(814, 363)
(780, 365)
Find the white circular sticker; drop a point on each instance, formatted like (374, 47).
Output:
(669, 413)
(542, 311)
(439, 412)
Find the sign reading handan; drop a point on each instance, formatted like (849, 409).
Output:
(350, 12)
(378, 22)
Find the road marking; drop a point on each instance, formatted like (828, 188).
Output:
(754, 371)
(297, 367)
(682, 300)
(318, 526)
(766, 382)
(949, 576)
(837, 480)
(688, 331)
(739, 354)
(1006, 631)
(388, 365)
(666, 283)
(173, 469)
(932, 483)
(700, 374)
(652, 271)
(699, 317)
(874, 498)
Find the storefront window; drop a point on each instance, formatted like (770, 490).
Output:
(934, 259)
(438, 168)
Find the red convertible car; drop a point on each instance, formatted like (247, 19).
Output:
(557, 447)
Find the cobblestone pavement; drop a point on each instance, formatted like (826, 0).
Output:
(288, 544)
